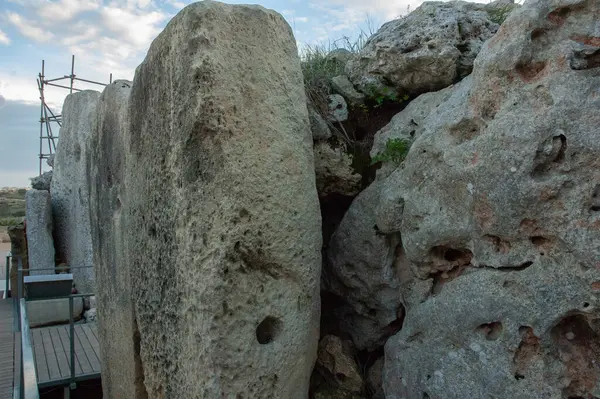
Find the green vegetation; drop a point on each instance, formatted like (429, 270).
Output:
(320, 64)
(395, 151)
(499, 14)
(12, 207)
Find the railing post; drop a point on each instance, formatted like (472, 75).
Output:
(72, 340)
(20, 287)
(8, 259)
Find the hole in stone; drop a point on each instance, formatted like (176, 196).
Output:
(492, 331)
(340, 377)
(596, 199)
(267, 330)
(578, 347)
(426, 395)
(519, 376)
(452, 255)
(586, 305)
(538, 240)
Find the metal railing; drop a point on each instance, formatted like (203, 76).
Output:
(29, 386)
(24, 328)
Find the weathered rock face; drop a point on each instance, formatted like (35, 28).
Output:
(318, 125)
(337, 367)
(39, 231)
(108, 148)
(427, 50)
(222, 211)
(333, 168)
(42, 182)
(365, 267)
(500, 214)
(70, 197)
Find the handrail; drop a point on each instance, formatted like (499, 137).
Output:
(29, 384)
(8, 257)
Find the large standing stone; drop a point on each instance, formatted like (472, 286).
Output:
(108, 148)
(500, 214)
(69, 188)
(427, 50)
(40, 244)
(224, 229)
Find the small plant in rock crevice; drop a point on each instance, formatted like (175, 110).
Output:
(499, 14)
(395, 151)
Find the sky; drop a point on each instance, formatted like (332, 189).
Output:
(113, 36)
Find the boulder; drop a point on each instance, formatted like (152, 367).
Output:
(52, 311)
(50, 160)
(344, 87)
(499, 214)
(318, 125)
(338, 109)
(69, 188)
(340, 55)
(118, 336)
(333, 168)
(375, 379)
(366, 267)
(42, 182)
(429, 49)
(222, 213)
(90, 315)
(335, 362)
(40, 244)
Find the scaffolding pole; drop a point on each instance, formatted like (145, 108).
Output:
(47, 116)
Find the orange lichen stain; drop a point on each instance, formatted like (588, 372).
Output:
(475, 158)
(596, 285)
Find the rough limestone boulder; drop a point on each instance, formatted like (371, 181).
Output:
(429, 49)
(42, 182)
(223, 220)
(69, 188)
(366, 267)
(108, 149)
(40, 244)
(318, 126)
(334, 172)
(501, 215)
(337, 368)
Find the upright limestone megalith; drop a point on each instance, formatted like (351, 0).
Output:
(107, 148)
(39, 232)
(69, 190)
(223, 221)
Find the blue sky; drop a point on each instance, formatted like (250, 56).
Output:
(112, 36)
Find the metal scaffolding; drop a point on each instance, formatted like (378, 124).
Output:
(47, 117)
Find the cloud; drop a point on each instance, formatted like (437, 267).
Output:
(136, 28)
(29, 28)
(301, 19)
(2, 101)
(3, 38)
(65, 10)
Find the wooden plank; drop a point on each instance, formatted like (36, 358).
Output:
(94, 353)
(41, 364)
(61, 357)
(63, 332)
(9, 349)
(51, 359)
(80, 351)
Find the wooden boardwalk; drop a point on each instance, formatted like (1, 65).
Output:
(9, 349)
(52, 352)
